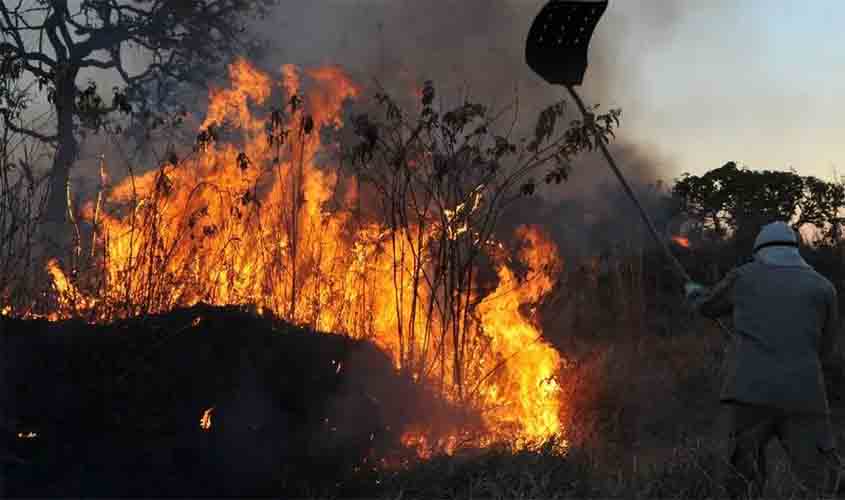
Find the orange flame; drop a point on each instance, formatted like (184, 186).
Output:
(526, 392)
(205, 420)
(70, 299)
(682, 241)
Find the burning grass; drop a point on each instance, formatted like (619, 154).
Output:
(644, 423)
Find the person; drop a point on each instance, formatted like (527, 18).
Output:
(785, 328)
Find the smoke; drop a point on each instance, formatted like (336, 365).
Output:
(475, 48)
(590, 214)
(475, 45)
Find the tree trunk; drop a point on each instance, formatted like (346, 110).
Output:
(54, 228)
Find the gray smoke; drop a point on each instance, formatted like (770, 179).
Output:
(475, 48)
(461, 44)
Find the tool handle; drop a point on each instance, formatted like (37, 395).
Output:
(676, 265)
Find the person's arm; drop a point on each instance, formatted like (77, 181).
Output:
(831, 327)
(717, 300)
(829, 354)
(828, 349)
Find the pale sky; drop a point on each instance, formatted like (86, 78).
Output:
(761, 82)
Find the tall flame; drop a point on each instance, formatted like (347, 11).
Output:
(526, 396)
(247, 221)
(205, 420)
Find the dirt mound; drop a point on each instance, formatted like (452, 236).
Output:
(115, 410)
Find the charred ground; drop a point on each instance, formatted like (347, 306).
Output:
(114, 410)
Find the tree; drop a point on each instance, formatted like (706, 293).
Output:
(47, 44)
(734, 202)
(443, 178)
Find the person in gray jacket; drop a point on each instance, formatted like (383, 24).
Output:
(785, 329)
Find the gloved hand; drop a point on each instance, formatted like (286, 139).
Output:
(693, 290)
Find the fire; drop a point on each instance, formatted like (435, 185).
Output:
(60, 281)
(525, 393)
(265, 218)
(70, 299)
(682, 241)
(205, 420)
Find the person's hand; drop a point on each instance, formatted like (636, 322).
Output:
(692, 289)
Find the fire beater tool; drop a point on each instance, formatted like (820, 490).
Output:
(556, 49)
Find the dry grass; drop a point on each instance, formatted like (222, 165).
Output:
(643, 421)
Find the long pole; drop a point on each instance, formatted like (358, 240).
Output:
(676, 265)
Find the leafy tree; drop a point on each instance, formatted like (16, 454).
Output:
(47, 44)
(821, 207)
(731, 201)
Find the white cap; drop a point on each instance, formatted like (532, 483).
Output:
(776, 234)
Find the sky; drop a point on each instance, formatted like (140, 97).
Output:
(699, 82)
(760, 82)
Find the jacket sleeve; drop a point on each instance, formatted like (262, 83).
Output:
(829, 342)
(829, 355)
(718, 300)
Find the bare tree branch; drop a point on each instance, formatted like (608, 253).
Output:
(62, 14)
(50, 29)
(95, 63)
(28, 56)
(50, 139)
(48, 41)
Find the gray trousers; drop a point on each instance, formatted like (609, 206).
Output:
(807, 440)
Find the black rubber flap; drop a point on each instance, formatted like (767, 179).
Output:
(557, 43)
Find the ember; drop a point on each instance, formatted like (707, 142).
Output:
(205, 420)
(682, 241)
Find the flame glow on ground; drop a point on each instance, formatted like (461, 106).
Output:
(263, 218)
(682, 241)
